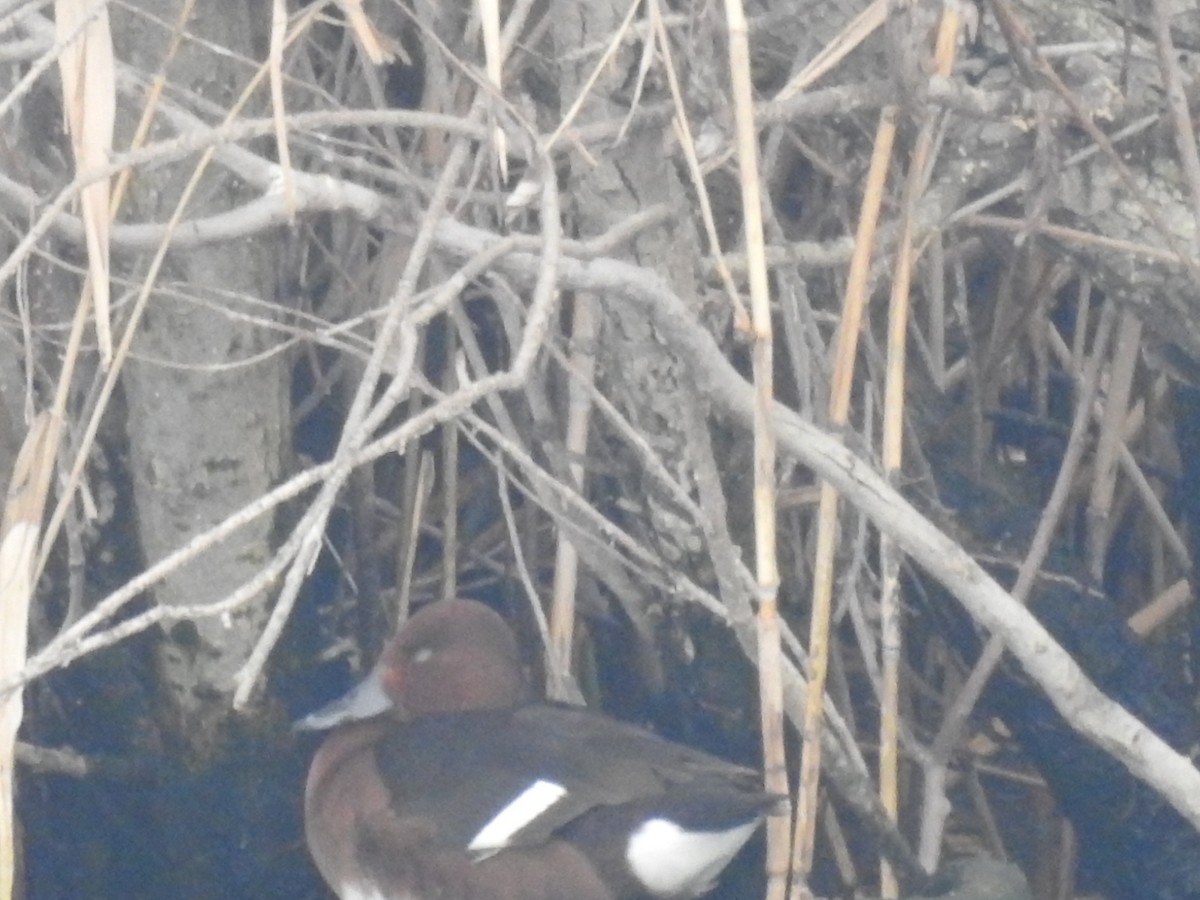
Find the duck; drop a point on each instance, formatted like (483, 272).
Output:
(440, 779)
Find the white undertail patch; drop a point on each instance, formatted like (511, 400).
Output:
(672, 861)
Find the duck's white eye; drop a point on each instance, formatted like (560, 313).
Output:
(422, 654)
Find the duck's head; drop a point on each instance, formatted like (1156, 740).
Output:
(451, 656)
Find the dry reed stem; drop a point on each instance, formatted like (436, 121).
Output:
(450, 470)
(18, 556)
(378, 49)
(1163, 607)
(582, 364)
(89, 91)
(891, 637)
(936, 301)
(418, 488)
(1110, 439)
(890, 614)
(858, 30)
(493, 58)
(770, 678)
(841, 384)
(683, 133)
(279, 20)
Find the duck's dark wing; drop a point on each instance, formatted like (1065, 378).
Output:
(489, 780)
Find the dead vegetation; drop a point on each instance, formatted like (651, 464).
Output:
(830, 337)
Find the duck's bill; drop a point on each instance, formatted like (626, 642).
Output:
(364, 701)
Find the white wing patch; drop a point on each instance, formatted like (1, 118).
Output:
(525, 808)
(367, 892)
